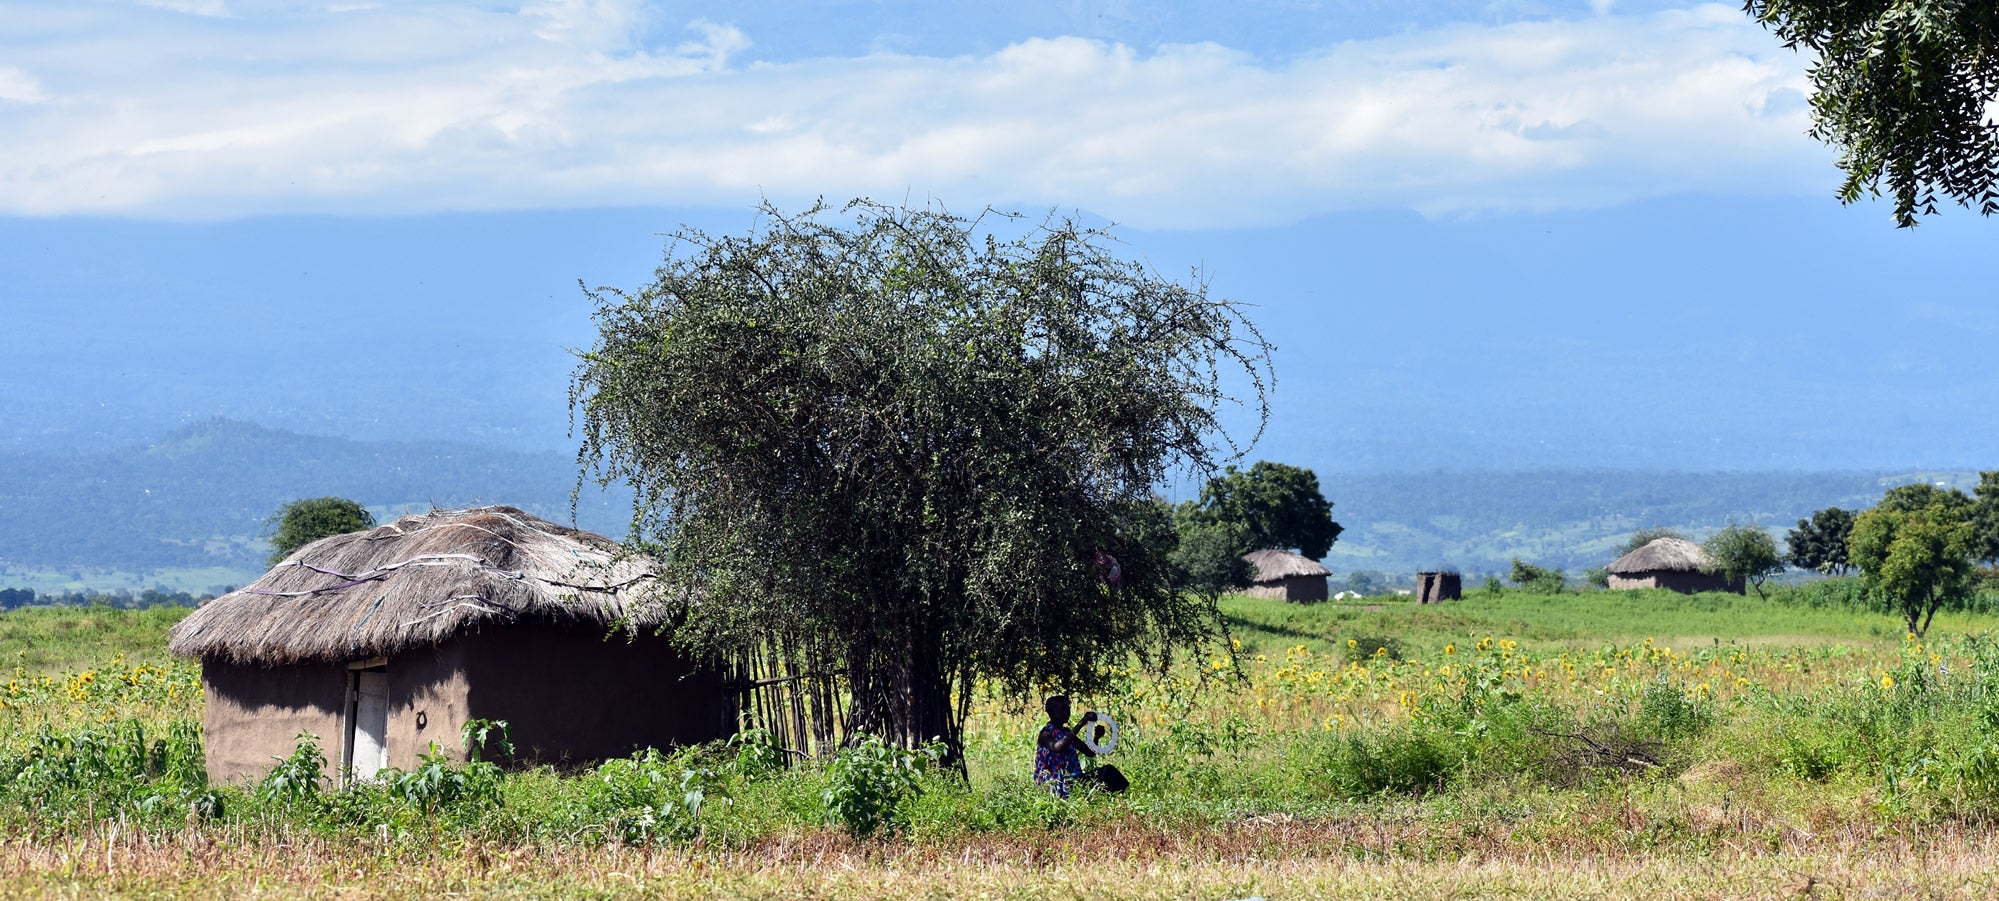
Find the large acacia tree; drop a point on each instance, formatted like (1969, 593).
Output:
(912, 443)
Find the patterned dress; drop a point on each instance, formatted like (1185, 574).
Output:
(1056, 769)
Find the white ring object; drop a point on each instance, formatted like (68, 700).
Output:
(1089, 731)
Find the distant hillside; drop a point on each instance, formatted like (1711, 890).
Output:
(196, 500)
(1397, 523)
(199, 496)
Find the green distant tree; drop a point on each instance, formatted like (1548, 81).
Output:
(1647, 535)
(1275, 506)
(1819, 543)
(1210, 552)
(1916, 561)
(305, 521)
(915, 449)
(1922, 496)
(1985, 519)
(1901, 89)
(1538, 579)
(1744, 552)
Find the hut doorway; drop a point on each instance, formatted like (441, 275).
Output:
(367, 745)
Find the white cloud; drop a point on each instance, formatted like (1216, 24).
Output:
(212, 8)
(564, 104)
(17, 86)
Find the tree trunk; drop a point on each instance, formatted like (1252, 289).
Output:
(902, 693)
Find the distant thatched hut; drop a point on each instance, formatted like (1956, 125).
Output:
(1283, 574)
(382, 642)
(1672, 563)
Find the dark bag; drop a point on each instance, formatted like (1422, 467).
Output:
(1109, 779)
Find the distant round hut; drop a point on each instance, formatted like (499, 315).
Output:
(1283, 574)
(382, 642)
(1671, 563)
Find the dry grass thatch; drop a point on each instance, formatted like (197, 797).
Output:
(417, 582)
(1273, 565)
(1662, 555)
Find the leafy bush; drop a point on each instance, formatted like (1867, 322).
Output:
(650, 797)
(1538, 579)
(297, 779)
(1412, 759)
(870, 783)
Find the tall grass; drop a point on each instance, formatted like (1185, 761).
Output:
(1627, 722)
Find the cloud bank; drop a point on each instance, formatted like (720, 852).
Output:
(183, 109)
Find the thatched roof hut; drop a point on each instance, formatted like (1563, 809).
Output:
(417, 582)
(1671, 563)
(1283, 574)
(380, 642)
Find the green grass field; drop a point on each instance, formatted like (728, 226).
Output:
(1579, 745)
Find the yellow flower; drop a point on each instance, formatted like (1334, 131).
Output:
(1887, 681)
(1450, 649)
(1381, 651)
(1352, 643)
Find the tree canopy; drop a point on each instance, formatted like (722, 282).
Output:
(305, 521)
(1900, 88)
(1985, 518)
(1210, 552)
(1916, 559)
(1744, 552)
(1275, 505)
(1647, 535)
(1819, 543)
(920, 448)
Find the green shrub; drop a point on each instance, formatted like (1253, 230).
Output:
(650, 797)
(870, 783)
(297, 779)
(1411, 759)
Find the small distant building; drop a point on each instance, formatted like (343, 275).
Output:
(1285, 575)
(381, 642)
(1436, 587)
(1675, 564)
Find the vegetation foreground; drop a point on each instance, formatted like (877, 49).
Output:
(1627, 744)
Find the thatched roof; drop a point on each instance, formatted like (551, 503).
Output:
(1662, 554)
(1273, 565)
(419, 581)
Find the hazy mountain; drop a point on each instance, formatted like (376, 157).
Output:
(199, 496)
(197, 499)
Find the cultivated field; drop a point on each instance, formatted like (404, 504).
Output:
(1577, 745)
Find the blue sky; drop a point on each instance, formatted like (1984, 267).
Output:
(1500, 234)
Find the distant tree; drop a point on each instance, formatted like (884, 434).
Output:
(1985, 519)
(1915, 561)
(1647, 535)
(1209, 551)
(1744, 552)
(1901, 89)
(1275, 506)
(305, 521)
(1922, 496)
(1538, 579)
(1819, 543)
(1597, 576)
